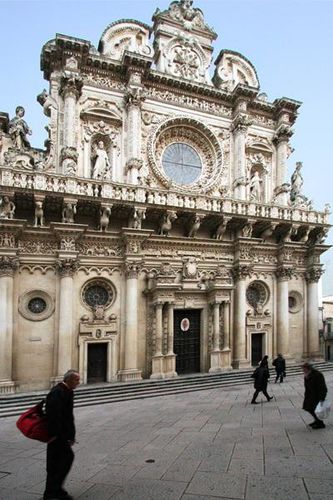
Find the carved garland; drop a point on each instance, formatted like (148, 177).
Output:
(197, 135)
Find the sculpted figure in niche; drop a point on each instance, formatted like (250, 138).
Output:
(101, 169)
(7, 208)
(296, 182)
(105, 218)
(255, 187)
(68, 213)
(39, 214)
(18, 129)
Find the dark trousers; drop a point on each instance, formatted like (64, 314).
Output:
(279, 375)
(59, 459)
(256, 392)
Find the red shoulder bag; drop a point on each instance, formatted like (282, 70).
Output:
(33, 423)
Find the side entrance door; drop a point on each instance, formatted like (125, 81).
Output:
(187, 340)
(97, 361)
(256, 348)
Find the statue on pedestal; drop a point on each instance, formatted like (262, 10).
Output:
(18, 129)
(296, 182)
(7, 208)
(255, 187)
(101, 169)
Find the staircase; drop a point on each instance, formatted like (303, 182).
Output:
(97, 394)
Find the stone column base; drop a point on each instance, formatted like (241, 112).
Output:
(238, 364)
(170, 366)
(226, 359)
(215, 362)
(7, 387)
(129, 375)
(158, 367)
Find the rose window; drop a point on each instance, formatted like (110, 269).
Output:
(256, 294)
(181, 163)
(97, 293)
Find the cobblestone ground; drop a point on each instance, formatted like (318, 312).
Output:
(194, 446)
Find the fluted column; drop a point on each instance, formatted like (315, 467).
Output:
(66, 269)
(215, 355)
(8, 266)
(283, 275)
(226, 351)
(281, 140)
(240, 272)
(131, 371)
(71, 87)
(240, 127)
(134, 97)
(170, 328)
(170, 357)
(312, 277)
(158, 358)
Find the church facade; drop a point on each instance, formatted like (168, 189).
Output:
(157, 233)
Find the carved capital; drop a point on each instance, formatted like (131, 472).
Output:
(284, 273)
(241, 124)
(132, 269)
(283, 133)
(71, 85)
(8, 265)
(67, 267)
(133, 163)
(313, 275)
(134, 96)
(241, 272)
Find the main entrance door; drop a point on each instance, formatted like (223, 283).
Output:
(256, 348)
(187, 340)
(97, 361)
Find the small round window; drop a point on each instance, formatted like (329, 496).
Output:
(98, 293)
(181, 163)
(37, 305)
(295, 302)
(256, 294)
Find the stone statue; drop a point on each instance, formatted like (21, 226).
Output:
(220, 230)
(68, 213)
(7, 208)
(296, 182)
(18, 129)
(195, 226)
(101, 167)
(138, 216)
(166, 223)
(105, 218)
(39, 214)
(255, 187)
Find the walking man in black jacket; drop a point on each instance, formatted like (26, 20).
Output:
(315, 391)
(60, 417)
(280, 367)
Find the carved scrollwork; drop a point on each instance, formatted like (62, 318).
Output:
(67, 267)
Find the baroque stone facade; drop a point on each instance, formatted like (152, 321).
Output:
(157, 233)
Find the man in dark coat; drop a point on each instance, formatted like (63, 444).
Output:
(280, 367)
(60, 418)
(261, 376)
(315, 391)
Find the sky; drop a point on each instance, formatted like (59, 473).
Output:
(289, 42)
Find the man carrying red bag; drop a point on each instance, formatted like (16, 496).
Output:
(60, 421)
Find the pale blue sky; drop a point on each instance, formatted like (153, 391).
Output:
(289, 42)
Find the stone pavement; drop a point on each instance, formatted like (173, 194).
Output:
(200, 445)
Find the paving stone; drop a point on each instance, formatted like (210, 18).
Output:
(99, 492)
(246, 466)
(273, 488)
(321, 486)
(208, 483)
(150, 490)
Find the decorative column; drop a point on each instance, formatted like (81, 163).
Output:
(283, 275)
(240, 273)
(240, 127)
(170, 357)
(158, 358)
(281, 140)
(226, 351)
(131, 371)
(134, 97)
(70, 90)
(8, 266)
(215, 355)
(66, 268)
(312, 277)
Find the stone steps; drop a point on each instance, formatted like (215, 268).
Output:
(89, 395)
